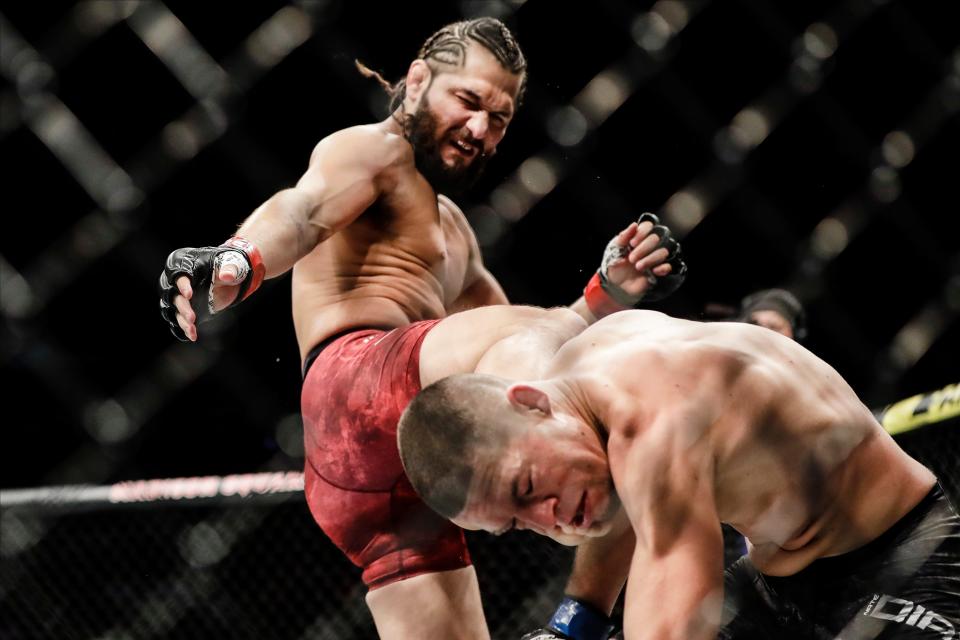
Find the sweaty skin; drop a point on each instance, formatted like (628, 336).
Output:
(696, 424)
(371, 244)
(411, 254)
(732, 423)
(799, 465)
(403, 260)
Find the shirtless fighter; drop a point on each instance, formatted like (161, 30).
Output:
(378, 256)
(689, 425)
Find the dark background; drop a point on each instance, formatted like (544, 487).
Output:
(810, 145)
(100, 182)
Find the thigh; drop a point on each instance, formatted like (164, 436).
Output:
(750, 611)
(391, 535)
(907, 586)
(355, 485)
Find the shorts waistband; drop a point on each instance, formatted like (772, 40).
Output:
(889, 537)
(315, 352)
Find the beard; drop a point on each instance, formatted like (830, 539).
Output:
(421, 131)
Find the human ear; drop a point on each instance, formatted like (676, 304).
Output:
(524, 396)
(418, 79)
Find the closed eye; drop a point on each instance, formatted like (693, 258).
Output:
(521, 489)
(472, 102)
(469, 104)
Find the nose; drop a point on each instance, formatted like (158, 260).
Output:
(478, 124)
(540, 515)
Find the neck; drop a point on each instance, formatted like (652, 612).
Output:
(394, 122)
(569, 396)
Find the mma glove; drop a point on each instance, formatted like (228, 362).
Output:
(574, 620)
(605, 297)
(200, 265)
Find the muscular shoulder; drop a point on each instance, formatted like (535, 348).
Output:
(455, 213)
(448, 204)
(368, 145)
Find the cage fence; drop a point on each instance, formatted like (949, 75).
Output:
(241, 557)
(228, 563)
(250, 569)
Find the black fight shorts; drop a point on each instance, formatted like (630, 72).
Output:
(904, 584)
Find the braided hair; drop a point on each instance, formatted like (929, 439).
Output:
(447, 48)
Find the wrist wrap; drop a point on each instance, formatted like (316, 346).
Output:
(598, 300)
(258, 270)
(580, 621)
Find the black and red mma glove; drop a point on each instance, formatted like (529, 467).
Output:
(201, 265)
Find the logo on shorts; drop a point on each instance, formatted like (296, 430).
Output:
(906, 612)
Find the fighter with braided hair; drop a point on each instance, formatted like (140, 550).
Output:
(380, 254)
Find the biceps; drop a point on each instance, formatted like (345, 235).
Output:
(481, 289)
(337, 193)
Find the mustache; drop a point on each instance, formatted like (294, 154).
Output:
(463, 135)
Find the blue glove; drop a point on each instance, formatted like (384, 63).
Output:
(574, 620)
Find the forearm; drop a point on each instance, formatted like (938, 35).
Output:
(675, 587)
(282, 230)
(580, 306)
(673, 601)
(600, 567)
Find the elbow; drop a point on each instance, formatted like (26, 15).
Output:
(288, 217)
(303, 212)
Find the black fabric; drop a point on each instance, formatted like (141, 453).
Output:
(664, 286)
(904, 584)
(326, 342)
(198, 265)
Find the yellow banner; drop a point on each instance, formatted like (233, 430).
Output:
(922, 409)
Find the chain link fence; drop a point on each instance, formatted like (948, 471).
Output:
(261, 568)
(179, 137)
(251, 571)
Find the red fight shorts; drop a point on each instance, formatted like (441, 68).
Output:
(352, 398)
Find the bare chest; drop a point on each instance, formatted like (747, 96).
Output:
(413, 244)
(452, 254)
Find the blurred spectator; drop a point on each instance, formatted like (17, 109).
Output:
(775, 309)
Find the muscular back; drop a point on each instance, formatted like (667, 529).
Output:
(403, 259)
(796, 462)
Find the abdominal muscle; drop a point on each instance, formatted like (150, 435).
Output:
(875, 487)
(382, 285)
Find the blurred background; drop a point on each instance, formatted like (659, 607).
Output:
(811, 146)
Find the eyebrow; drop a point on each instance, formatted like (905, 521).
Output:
(476, 96)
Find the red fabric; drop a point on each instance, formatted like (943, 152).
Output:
(599, 301)
(259, 270)
(352, 399)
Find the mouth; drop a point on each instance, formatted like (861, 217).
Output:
(580, 519)
(464, 148)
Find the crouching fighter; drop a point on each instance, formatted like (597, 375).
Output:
(687, 425)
